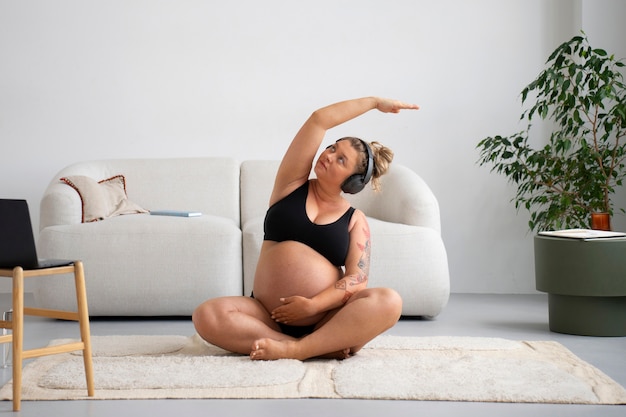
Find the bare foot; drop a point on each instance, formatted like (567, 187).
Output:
(342, 354)
(270, 349)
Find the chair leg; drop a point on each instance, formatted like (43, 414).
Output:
(83, 320)
(18, 335)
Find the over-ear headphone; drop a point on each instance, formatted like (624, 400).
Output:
(356, 182)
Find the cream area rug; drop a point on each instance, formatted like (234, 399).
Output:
(389, 367)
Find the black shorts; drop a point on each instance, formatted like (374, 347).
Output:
(294, 331)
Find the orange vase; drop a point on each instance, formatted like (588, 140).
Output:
(600, 221)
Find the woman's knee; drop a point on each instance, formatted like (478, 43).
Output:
(207, 314)
(198, 317)
(389, 300)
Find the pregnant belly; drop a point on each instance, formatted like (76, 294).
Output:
(292, 268)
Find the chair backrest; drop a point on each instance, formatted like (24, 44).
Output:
(17, 244)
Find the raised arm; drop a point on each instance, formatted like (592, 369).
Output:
(297, 162)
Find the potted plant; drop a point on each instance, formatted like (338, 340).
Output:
(582, 93)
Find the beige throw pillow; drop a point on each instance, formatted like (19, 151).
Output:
(102, 199)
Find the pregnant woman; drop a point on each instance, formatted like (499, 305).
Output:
(310, 296)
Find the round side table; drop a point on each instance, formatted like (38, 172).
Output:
(586, 284)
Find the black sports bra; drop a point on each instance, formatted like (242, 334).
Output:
(287, 220)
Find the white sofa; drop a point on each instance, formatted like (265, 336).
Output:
(146, 265)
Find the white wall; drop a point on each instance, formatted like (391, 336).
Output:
(125, 78)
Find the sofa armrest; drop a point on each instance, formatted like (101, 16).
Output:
(60, 205)
(405, 198)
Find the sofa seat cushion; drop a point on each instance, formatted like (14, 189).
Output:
(252, 241)
(169, 264)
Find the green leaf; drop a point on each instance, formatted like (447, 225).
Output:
(600, 52)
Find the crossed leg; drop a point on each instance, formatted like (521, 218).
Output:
(366, 315)
(242, 325)
(234, 323)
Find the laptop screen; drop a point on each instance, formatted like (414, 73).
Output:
(17, 244)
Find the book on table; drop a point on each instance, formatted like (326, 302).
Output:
(583, 234)
(177, 213)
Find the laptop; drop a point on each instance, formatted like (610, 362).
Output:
(17, 243)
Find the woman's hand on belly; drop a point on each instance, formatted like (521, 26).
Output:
(289, 269)
(295, 309)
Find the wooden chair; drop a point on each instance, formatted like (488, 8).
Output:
(16, 324)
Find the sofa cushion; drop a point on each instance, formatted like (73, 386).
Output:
(144, 265)
(102, 199)
(413, 261)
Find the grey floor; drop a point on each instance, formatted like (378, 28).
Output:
(518, 317)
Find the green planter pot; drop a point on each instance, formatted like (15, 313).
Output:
(586, 284)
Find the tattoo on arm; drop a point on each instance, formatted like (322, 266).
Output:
(363, 264)
(366, 250)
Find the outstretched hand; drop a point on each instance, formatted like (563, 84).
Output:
(386, 105)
